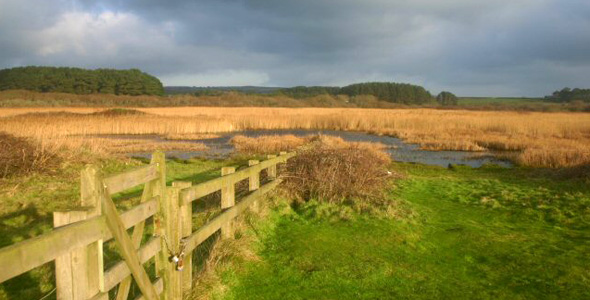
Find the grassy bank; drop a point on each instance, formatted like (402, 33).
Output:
(486, 233)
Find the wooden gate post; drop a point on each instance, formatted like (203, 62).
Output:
(170, 235)
(228, 199)
(79, 274)
(71, 276)
(90, 195)
(186, 223)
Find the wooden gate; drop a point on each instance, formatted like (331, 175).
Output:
(76, 243)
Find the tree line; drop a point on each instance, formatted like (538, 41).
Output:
(402, 93)
(80, 81)
(570, 95)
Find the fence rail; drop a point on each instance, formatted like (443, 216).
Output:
(76, 242)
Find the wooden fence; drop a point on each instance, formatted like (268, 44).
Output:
(76, 243)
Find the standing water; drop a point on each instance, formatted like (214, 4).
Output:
(220, 148)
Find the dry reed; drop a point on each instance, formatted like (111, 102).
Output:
(20, 156)
(267, 144)
(543, 139)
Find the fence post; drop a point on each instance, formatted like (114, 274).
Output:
(79, 274)
(90, 191)
(228, 194)
(71, 281)
(170, 222)
(254, 181)
(271, 172)
(186, 223)
(163, 226)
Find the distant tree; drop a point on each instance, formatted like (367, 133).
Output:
(80, 81)
(447, 99)
(390, 92)
(567, 95)
(299, 92)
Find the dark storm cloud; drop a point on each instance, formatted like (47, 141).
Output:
(501, 47)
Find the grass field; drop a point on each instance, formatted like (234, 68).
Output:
(464, 233)
(475, 234)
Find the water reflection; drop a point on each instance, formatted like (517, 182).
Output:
(400, 151)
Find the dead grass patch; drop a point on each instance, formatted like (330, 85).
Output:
(334, 171)
(20, 156)
(267, 143)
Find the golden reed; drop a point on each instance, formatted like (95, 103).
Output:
(541, 139)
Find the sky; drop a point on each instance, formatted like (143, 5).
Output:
(469, 47)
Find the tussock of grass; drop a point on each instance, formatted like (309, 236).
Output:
(334, 171)
(19, 156)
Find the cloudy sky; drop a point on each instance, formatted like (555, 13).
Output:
(470, 47)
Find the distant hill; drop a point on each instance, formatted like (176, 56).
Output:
(80, 81)
(174, 90)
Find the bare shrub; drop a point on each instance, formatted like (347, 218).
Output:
(334, 171)
(19, 156)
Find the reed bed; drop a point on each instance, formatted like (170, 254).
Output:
(538, 139)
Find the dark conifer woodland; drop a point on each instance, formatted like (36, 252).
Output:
(80, 81)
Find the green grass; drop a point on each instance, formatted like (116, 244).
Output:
(486, 233)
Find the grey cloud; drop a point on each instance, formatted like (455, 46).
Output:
(498, 48)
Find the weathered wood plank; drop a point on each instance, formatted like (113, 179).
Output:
(271, 172)
(137, 214)
(203, 189)
(90, 190)
(126, 248)
(228, 200)
(158, 285)
(159, 159)
(210, 228)
(120, 271)
(120, 182)
(26, 255)
(136, 237)
(169, 212)
(254, 179)
(70, 269)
